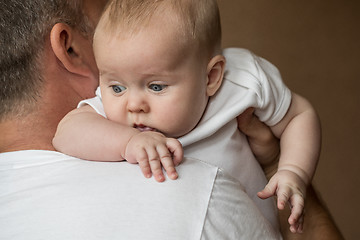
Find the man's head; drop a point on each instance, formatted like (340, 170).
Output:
(25, 27)
(46, 63)
(158, 62)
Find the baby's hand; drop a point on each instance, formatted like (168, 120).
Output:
(152, 150)
(288, 187)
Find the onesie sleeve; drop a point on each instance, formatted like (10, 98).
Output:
(95, 103)
(270, 96)
(275, 96)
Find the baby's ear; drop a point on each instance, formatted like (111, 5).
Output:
(215, 72)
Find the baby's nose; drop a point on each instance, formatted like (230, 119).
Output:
(137, 103)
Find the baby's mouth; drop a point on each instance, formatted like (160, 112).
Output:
(143, 128)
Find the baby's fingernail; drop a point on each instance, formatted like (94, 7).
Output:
(174, 175)
(160, 178)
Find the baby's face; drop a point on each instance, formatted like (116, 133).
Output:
(149, 81)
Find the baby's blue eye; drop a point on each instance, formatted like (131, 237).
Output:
(157, 87)
(118, 88)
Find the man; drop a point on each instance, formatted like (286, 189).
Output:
(47, 67)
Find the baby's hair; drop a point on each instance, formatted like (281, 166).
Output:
(198, 20)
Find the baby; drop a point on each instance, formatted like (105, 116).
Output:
(163, 78)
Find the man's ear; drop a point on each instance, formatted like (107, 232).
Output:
(65, 43)
(215, 72)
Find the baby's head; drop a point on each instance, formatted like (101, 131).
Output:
(159, 62)
(194, 22)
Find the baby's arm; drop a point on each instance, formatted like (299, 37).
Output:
(85, 134)
(300, 140)
(318, 223)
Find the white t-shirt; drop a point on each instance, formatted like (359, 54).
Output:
(249, 81)
(49, 195)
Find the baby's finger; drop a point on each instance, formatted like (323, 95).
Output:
(268, 191)
(155, 164)
(301, 224)
(283, 194)
(167, 162)
(297, 208)
(176, 149)
(296, 227)
(293, 228)
(142, 159)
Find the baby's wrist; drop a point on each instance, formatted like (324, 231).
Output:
(298, 171)
(131, 136)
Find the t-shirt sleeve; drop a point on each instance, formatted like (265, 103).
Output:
(95, 103)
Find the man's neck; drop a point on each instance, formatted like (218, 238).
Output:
(25, 134)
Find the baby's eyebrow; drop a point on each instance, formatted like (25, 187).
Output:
(107, 73)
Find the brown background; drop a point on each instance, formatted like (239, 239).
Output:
(315, 44)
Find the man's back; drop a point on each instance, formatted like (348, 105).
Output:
(48, 195)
